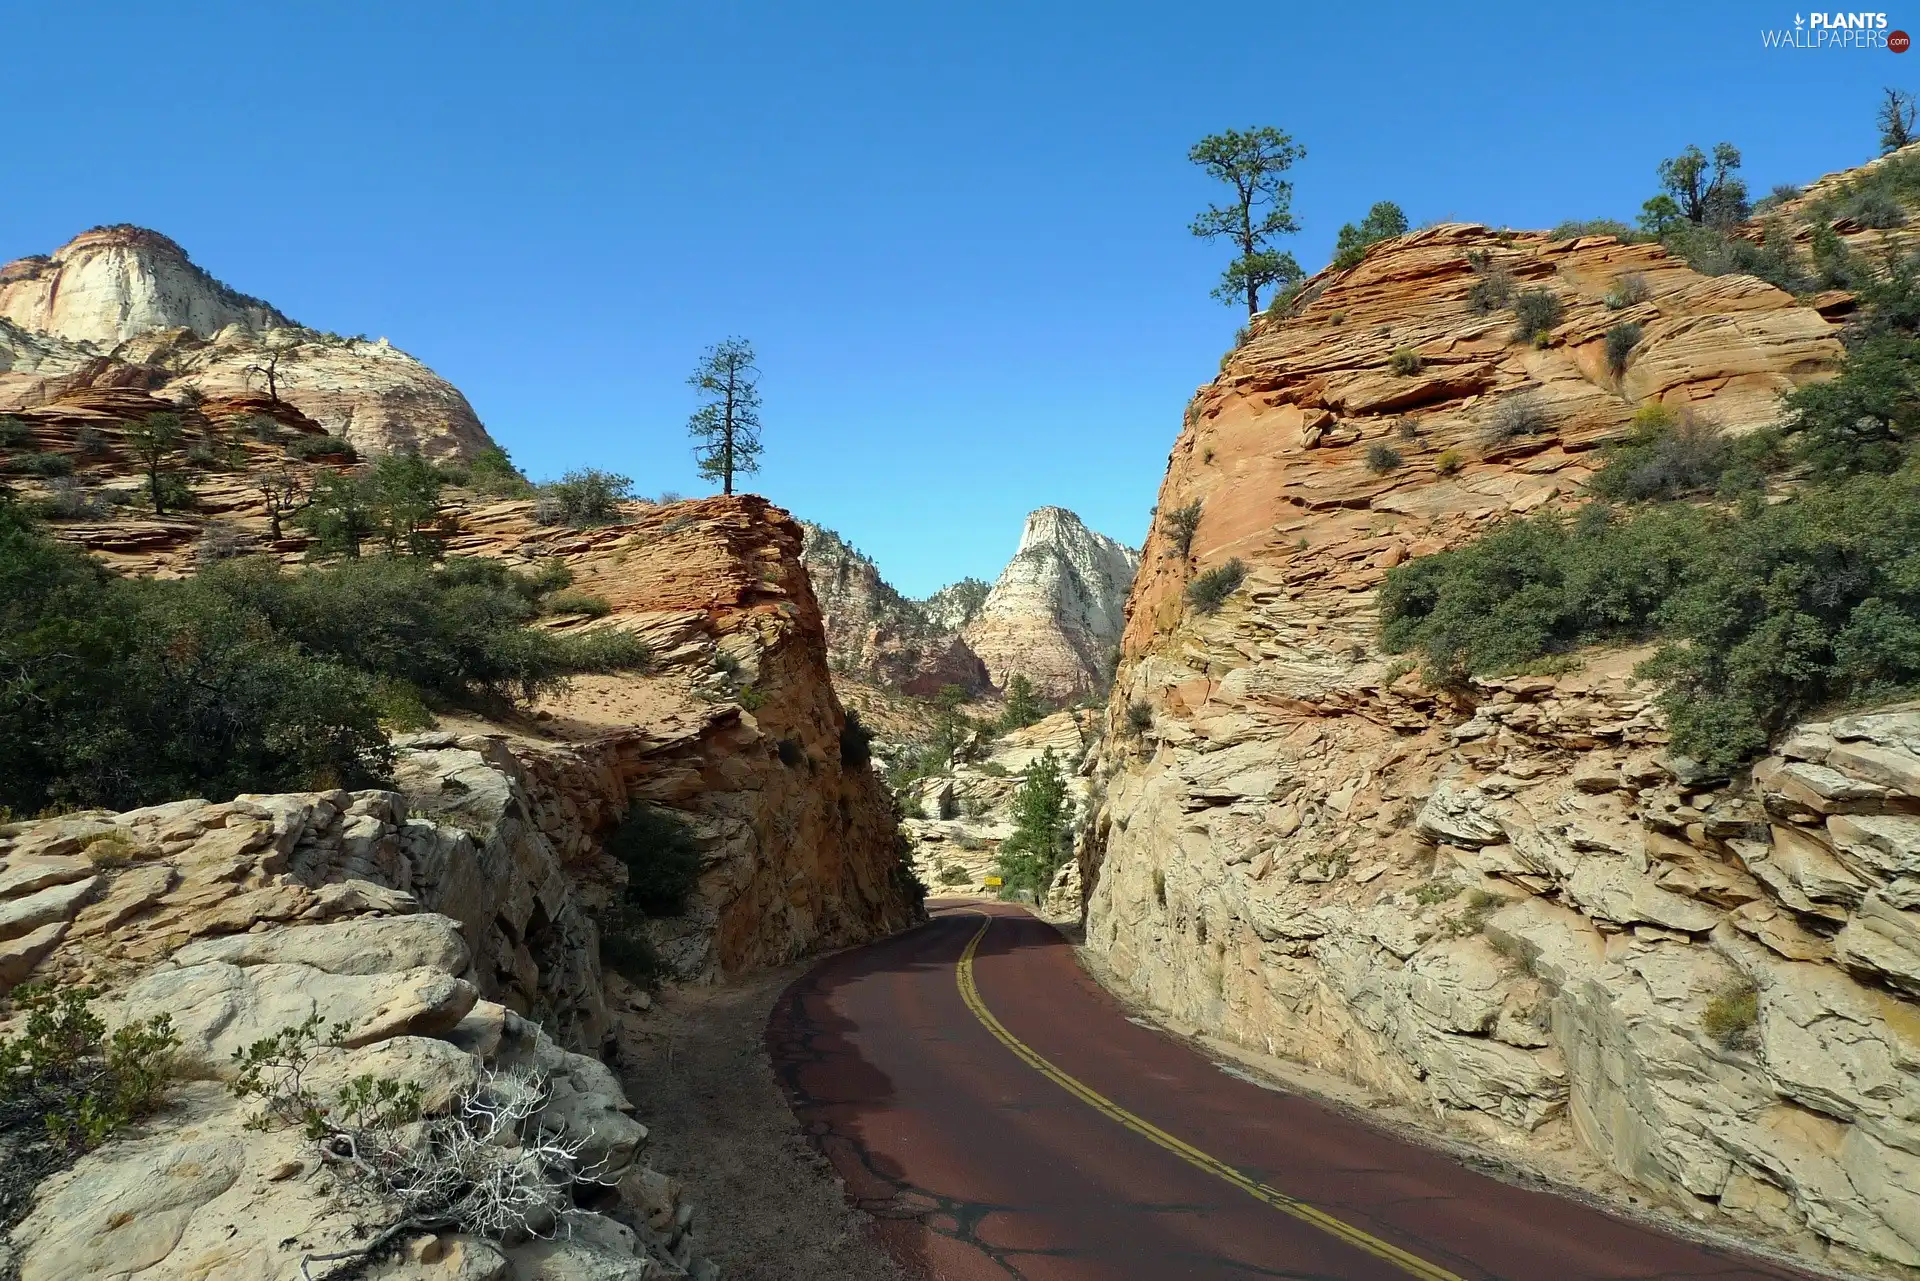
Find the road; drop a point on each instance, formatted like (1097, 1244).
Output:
(1002, 1118)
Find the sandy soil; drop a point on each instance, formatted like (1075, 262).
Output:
(768, 1205)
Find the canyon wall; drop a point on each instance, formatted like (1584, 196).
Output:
(123, 307)
(1504, 905)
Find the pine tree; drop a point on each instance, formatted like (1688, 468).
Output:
(1023, 705)
(1251, 163)
(728, 424)
(1042, 829)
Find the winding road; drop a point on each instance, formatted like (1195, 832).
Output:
(1001, 1117)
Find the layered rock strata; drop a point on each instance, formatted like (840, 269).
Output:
(1054, 614)
(1504, 905)
(125, 307)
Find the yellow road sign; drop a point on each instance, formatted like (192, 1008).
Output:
(993, 882)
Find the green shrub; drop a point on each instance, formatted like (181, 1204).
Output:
(1513, 417)
(1576, 227)
(583, 498)
(1438, 890)
(1139, 717)
(1384, 221)
(625, 947)
(791, 753)
(1209, 591)
(1767, 613)
(1383, 458)
(1733, 1015)
(1873, 208)
(67, 1086)
(1627, 290)
(1405, 362)
(1449, 462)
(44, 464)
(1535, 313)
(246, 678)
(662, 860)
(593, 606)
(309, 448)
(1670, 456)
(1491, 290)
(1536, 586)
(1621, 340)
(14, 431)
(1180, 525)
(492, 472)
(954, 874)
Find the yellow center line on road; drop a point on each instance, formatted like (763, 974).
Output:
(970, 993)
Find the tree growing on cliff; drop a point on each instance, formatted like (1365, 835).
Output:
(1042, 829)
(153, 441)
(268, 367)
(727, 425)
(1699, 190)
(1261, 208)
(1895, 118)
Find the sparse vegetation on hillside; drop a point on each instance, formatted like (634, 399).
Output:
(1383, 458)
(1766, 612)
(1180, 525)
(125, 692)
(583, 498)
(1209, 591)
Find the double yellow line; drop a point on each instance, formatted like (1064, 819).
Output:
(1412, 1264)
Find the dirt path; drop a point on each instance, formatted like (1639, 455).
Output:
(769, 1207)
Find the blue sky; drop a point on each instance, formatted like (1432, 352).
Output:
(956, 232)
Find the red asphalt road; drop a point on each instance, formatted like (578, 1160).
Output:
(978, 1167)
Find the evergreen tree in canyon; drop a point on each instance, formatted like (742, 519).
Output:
(1261, 208)
(1042, 828)
(727, 424)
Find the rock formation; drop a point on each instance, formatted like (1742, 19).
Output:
(123, 307)
(1054, 614)
(1503, 905)
(877, 634)
(428, 943)
(455, 921)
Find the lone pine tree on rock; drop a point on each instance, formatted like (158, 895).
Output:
(727, 426)
(1261, 208)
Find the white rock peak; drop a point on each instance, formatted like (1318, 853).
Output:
(1058, 607)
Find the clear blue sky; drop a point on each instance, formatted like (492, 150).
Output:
(956, 232)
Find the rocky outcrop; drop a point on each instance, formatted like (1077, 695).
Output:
(1055, 613)
(1053, 616)
(1503, 906)
(425, 942)
(114, 283)
(876, 634)
(125, 307)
